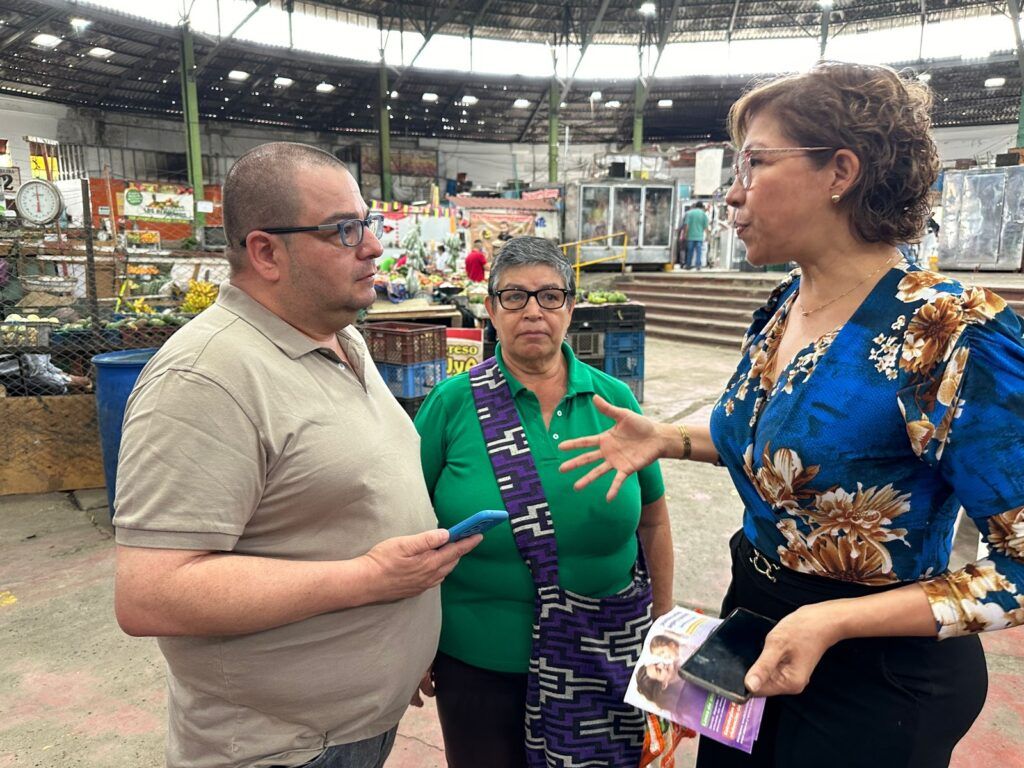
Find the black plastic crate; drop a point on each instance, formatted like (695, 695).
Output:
(586, 343)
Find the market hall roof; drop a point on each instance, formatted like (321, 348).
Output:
(140, 73)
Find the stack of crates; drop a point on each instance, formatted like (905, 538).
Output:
(411, 358)
(611, 337)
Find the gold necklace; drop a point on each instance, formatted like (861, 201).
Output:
(889, 262)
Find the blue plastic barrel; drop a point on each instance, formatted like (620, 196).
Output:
(116, 374)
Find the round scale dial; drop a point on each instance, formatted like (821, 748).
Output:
(38, 202)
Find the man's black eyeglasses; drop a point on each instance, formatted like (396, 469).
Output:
(350, 230)
(517, 298)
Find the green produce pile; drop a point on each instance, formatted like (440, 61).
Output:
(607, 297)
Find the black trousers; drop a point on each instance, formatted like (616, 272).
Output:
(899, 702)
(482, 714)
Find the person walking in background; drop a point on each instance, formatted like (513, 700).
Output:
(695, 227)
(273, 528)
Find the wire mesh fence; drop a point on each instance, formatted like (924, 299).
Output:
(61, 306)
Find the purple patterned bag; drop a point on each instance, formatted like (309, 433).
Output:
(584, 648)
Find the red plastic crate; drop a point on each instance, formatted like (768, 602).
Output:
(405, 343)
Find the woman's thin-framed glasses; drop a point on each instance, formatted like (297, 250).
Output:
(517, 298)
(741, 167)
(349, 230)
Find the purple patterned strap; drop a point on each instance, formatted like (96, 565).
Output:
(518, 480)
(584, 648)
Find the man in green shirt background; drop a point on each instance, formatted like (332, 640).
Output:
(695, 227)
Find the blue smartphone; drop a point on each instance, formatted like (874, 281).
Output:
(481, 522)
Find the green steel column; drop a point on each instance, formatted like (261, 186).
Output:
(1020, 122)
(385, 131)
(638, 116)
(553, 92)
(190, 111)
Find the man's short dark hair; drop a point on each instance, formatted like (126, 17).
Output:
(261, 190)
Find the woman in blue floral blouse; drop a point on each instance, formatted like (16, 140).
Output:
(872, 400)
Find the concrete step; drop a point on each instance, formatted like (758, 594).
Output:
(686, 311)
(734, 278)
(660, 296)
(692, 336)
(715, 290)
(726, 326)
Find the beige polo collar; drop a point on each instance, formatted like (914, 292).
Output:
(285, 337)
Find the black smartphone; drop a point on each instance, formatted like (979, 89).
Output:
(722, 661)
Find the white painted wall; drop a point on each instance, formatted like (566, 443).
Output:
(27, 117)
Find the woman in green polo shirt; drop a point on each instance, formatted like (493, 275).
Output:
(481, 671)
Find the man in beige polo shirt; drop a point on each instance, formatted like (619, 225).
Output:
(273, 527)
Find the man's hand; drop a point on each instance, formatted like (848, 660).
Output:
(405, 566)
(793, 649)
(426, 687)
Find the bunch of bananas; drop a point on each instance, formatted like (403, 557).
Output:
(201, 294)
(140, 307)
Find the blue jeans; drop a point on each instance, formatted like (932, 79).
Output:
(368, 753)
(694, 253)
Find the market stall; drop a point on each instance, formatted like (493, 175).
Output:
(643, 210)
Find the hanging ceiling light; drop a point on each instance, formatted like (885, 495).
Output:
(469, 101)
(238, 75)
(520, 103)
(431, 97)
(613, 104)
(283, 82)
(100, 53)
(648, 9)
(324, 88)
(664, 103)
(995, 82)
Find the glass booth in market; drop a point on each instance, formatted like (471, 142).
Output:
(643, 210)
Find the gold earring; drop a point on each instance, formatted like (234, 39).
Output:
(835, 199)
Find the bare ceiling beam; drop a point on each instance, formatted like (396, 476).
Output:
(484, 7)
(592, 30)
(529, 123)
(201, 64)
(31, 27)
(432, 29)
(732, 21)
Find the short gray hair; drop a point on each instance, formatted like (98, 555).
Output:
(526, 252)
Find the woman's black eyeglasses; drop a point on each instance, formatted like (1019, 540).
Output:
(349, 230)
(517, 298)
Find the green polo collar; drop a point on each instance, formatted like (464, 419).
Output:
(579, 380)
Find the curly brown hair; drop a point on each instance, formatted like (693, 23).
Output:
(881, 117)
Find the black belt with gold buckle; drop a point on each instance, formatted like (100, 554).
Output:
(763, 565)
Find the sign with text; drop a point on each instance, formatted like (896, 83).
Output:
(158, 202)
(10, 179)
(465, 349)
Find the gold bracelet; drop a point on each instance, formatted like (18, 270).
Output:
(687, 443)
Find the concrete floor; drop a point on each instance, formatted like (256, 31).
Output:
(76, 692)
